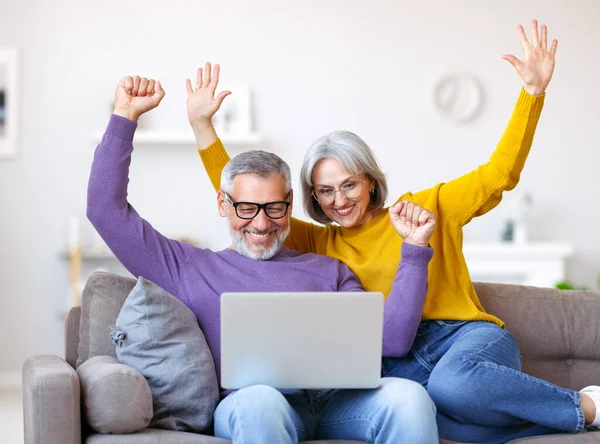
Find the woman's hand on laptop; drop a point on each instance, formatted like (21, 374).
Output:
(413, 222)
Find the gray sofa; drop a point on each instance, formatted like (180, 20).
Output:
(558, 332)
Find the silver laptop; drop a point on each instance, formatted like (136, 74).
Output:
(315, 340)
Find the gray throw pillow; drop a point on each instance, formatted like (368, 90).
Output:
(159, 336)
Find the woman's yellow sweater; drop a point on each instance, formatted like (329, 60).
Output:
(372, 250)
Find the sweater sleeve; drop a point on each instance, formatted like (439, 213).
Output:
(140, 248)
(404, 306)
(481, 190)
(214, 158)
(307, 237)
(347, 280)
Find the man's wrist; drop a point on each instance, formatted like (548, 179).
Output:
(413, 254)
(127, 114)
(416, 244)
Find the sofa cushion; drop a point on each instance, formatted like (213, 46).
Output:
(115, 398)
(155, 436)
(557, 330)
(101, 301)
(159, 336)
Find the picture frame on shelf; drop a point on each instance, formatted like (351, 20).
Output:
(235, 115)
(233, 122)
(8, 102)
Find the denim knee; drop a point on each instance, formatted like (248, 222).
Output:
(261, 398)
(257, 411)
(407, 412)
(405, 399)
(253, 406)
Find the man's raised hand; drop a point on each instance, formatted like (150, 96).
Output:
(136, 95)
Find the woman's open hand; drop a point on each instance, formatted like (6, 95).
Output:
(537, 65)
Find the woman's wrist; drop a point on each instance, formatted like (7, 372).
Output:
(204, 132)
(533, 90)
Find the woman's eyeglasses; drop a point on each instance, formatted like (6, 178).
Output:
(351, 189)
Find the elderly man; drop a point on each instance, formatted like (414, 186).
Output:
(256, 199)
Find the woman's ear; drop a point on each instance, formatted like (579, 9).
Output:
(372, 185)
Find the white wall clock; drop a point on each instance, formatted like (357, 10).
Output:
(458, 97)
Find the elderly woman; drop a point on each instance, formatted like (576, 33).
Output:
(468, 362)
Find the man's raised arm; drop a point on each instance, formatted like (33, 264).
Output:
(139, 247)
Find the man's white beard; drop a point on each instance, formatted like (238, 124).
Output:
(241, 246)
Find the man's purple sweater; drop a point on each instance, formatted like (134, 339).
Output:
(198, 276)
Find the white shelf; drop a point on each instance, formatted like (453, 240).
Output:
(529, 250)
(541, 264)
(154, 137)
(89, 255)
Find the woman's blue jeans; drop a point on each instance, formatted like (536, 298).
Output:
(472, 371)
(399, 411)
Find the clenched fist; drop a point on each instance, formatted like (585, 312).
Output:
(413, 222)
(137, 95)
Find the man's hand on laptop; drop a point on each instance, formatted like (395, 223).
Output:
(413, 222)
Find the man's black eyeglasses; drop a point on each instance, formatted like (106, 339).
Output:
(249, 210)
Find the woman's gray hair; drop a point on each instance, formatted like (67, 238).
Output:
(354, 155)
(259, 163)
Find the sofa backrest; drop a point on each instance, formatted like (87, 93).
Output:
(101, 301)
(72, 335)
(558, 331)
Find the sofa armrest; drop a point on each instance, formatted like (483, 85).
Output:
(51, 406)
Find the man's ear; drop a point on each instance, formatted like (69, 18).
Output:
(291, 199)
(222, 203)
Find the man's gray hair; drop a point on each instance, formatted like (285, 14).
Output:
(354, 155)
(256, 162)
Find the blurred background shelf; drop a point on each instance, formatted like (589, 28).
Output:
(90, 255)
(541, 264)
(153, 137)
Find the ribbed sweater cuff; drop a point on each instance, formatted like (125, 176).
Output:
(214, 155)
(528, 105)
(121, 127)
(416, 255)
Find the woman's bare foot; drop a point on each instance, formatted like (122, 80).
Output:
(589, 408)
